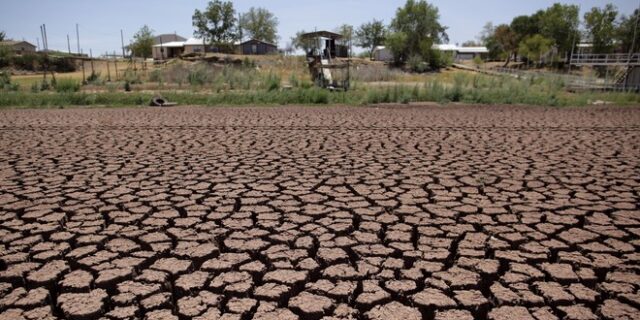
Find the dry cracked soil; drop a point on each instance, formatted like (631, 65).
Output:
(458, 212)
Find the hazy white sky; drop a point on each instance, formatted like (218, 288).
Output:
(100, 21)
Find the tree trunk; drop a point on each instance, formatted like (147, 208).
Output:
(508, 60)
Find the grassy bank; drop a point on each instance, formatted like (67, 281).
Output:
(462, 87)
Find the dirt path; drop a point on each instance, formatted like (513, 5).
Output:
(298, 212)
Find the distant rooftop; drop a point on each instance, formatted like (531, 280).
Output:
(322, 34)
(453, 47)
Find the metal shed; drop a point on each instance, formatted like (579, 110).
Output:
(256, 47)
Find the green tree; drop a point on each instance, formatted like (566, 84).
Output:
(346, 31)
(506, 41)
(525, 26)
(217, 24)
(487, 32)
(3, 35)
(600, 24)
(397, 44)
(560, 23)
(534, 47)
(297, 42)
(260, 24)
(142, 45)
(371, 34)
(419, 24)
(626, 32)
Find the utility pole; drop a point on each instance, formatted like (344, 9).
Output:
(122, 42)
(115, 63)
(78, 37)
(68, 43)
(46, 39)
(42, 36)
(93, 72)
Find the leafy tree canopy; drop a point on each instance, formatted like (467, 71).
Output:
(142, 45)
(627, 30)
(601, 26)
(217, 24)
(418, 23)
(260, 24)
(371, 34)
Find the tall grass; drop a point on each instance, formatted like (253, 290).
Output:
(235, 86)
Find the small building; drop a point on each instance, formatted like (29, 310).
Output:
(382, 53)
(329, 41)
(256, 47)
(19, 47)
(169, 37)
(470, 53)
(462, 53)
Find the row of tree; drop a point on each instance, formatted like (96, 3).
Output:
(219, 24)
(416, 28)
(556, 30)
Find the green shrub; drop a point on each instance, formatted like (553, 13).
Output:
(156, 76)
(272, 82)
(67, 85)
(198, 77)
(132, 77)
(44, 85)
(5, 79)
(94, 78)
(415, 63)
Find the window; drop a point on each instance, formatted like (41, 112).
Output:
(254, 49)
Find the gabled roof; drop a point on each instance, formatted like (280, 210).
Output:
(322, 34)
(256, 40)
(13, 43)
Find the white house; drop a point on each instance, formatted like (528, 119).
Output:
(462, 53)
(382, 53)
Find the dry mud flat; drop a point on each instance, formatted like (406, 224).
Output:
(308, 213)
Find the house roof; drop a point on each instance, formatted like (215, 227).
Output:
(194, 42)
(322, 34)
(473, 50)
(453, 47)
(168, 37)
(256, 40)
(173, 44)
(445, 47)
(13, 43)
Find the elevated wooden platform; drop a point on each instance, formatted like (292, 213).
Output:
(605, 59)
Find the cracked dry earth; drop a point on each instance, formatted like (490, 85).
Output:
(405, 213)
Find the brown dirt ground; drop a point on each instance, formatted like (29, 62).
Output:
(458, 212)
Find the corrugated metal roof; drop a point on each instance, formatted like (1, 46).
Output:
(473, 50)
(194, 42)
(13, 43)
(173, 44)
(445, 47)
(453, 47)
